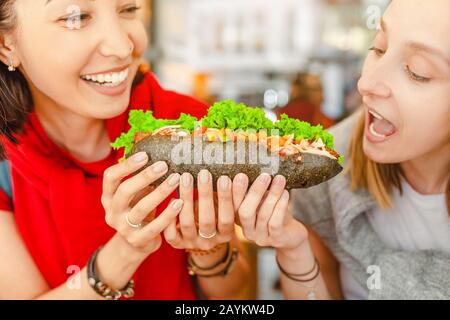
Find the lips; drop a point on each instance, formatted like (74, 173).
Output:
(109, 79)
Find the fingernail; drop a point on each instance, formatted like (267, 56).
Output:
(139, 157)
(203, 176)
(224, 183)
(186, 178)
(264, 178)
(177, 204)
(240, 179)
(279, 180)
(159, 167)
(174, 179)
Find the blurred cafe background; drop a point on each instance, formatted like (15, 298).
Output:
(299, 57)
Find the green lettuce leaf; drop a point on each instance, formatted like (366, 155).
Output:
(224, 114)
(229, 114)
(303, 130)
(145, 122)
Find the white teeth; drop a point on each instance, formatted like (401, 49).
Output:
(376, 134)
(376, 115)
(109, 79)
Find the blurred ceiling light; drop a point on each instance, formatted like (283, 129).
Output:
(270, 99)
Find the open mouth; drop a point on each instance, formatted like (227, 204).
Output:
(111, 79)
(380, 127)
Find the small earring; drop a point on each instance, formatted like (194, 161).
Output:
(11, 66)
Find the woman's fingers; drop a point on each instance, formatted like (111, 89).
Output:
(172, 235)
(187, 218)
(113, 176)
(276, 221)
(267, 209)
(248, 208)
(207, 215)
(151, 201)
(225, 206)
(240, 186)
(157, 226)
(129, 188)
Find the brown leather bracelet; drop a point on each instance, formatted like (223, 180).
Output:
(293, 276)
(228, 261)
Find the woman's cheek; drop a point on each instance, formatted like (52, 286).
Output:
(424, 124)
(139, 38)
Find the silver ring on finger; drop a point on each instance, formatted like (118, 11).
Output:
(131, 224)
(207, 236)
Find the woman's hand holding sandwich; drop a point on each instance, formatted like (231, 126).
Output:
(206, 231)
(126, 208)
(267, 221)
(203, 224)
(263, 214)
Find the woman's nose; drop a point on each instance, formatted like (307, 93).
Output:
(373, 81)
(117, 43)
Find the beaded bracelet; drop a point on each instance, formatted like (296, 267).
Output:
(199, 252)
(101, 288)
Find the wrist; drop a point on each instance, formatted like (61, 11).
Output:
(298, 259)
(125, 252)
(117, 262)
(209, 259)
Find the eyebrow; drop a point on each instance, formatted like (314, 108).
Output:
(424, 48)
(416, 46)
(48, 1)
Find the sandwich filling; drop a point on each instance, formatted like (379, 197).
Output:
(228, 121)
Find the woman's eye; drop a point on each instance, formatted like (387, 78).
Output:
(130, 10)
(377, 51)
(75, 21)
(415, 76)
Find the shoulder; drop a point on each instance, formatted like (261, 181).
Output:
(165, 103)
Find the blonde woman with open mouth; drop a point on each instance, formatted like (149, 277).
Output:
(382, 230)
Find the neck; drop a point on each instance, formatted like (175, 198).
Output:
(430, 173)
(85, 138)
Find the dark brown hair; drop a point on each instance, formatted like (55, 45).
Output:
(15, 96)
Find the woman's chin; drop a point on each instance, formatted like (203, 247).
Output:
(109, 111)
(377, 153)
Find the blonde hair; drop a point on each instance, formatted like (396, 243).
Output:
(379, 179)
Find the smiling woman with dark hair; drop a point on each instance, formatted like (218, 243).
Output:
(70, 74)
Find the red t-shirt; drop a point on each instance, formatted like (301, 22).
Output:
(57, 206)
